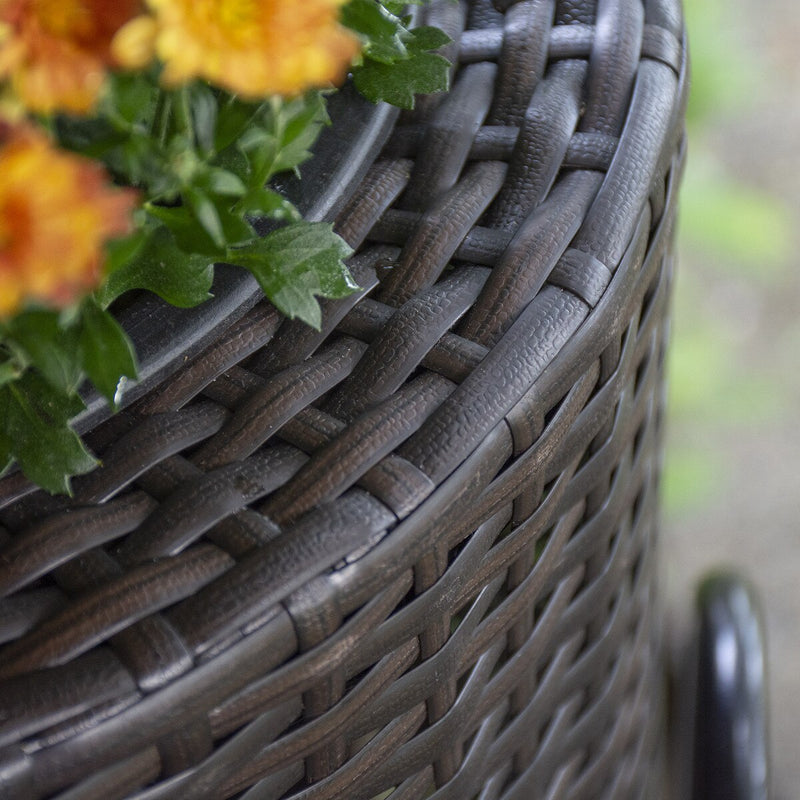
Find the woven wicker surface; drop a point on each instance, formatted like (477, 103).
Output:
(414, 551)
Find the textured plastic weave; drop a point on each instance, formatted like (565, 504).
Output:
(411, 555)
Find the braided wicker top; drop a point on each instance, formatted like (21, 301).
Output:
(411, 554)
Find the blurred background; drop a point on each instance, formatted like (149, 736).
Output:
(732, 471)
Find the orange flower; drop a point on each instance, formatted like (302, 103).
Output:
(56, 211)
(254, 48)
(56, 52)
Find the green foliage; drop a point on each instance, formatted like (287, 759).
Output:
(397, 63)
(297, 263)
(421, 72)
(160, 266)
(39, 338)
(34, 430)
(283, 140)
(202, 160)
(381, 30)
(46, 357)
(9, 372)
(106, 353)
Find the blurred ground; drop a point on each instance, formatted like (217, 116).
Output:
(732, 473)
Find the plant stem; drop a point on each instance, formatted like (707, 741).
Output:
(183, 113)
(161, 116)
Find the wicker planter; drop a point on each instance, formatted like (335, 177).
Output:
(413, 552)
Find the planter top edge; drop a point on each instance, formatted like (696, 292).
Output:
(165, 336)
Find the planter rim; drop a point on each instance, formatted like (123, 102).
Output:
(166, 336)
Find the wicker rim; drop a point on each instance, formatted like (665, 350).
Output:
(294, 569)
(165, 336)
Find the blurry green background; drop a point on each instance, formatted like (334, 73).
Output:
(732, 478)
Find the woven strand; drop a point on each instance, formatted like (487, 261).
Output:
(410, 554)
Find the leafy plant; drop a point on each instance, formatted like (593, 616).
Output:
(198, 155)
(396, 63)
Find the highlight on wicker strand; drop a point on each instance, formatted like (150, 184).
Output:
(411, 555)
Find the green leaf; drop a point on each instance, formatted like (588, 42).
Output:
(38, 339)
(9, 371)
(131, 96)
(398, 83)
(128, 150)
(379, 29)
(259, 142)
(120, 251)
(106, 352)
(283, 137)
(142, 161)
(233, 160)
(428, 38)
(189, 234)
(303, 118)
(203, 226)
(216, 180)
(93, 137)
(421, 73)
(233, 119)
(35, 431)
(205, 212)
(184, 161)
(160, 266)
(296, 264)
(266, 202)
(203, 106)
(398, 7)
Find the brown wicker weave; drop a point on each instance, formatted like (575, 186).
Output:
(410, 556)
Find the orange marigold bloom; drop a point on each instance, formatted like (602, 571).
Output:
(56, 52)
(56, 211)
(253, 48)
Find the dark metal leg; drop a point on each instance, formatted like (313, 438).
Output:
(730, 747)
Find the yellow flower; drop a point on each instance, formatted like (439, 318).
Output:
(55, 52)
(253, 48)
(56, 211)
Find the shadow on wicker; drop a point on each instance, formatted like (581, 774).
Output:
(410, 555)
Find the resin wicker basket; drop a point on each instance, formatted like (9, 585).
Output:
(411, 555)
